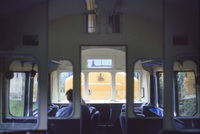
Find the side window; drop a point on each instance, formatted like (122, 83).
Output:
(23, 88)
(136, 86)
(35, 91)
(91, 17)
(141, 83)
(185, 93)
(160, 86)
(91, 23)
(61, 80)
(66, 83)
(146, 95)
(17, 94)
(114, 23)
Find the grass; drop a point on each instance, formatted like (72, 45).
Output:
(16, 107)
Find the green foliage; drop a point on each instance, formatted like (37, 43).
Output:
(63, 77)
(16, 107)
(186, 105)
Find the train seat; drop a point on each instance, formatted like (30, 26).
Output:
(92, 110)
(52, 110)
(150, 110)
(122, 117)
(95, 118)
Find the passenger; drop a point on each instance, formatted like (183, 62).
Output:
(66, 111)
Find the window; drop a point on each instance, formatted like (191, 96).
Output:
(99, 63)
(160, 89)
(185, 93)
(35, 92)
(141, 82)
(61, 80)
(120, 85)
(114, 23)
(66, 83)
(91, 23)
(136, 86)
(21, 88)
(17, 94)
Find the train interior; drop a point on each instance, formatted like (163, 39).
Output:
(136, 70)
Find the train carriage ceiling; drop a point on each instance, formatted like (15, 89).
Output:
(61, 8)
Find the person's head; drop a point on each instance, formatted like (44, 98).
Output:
(69, 95)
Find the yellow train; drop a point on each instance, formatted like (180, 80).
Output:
(99, 85)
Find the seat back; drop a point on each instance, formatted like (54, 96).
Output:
(95, 118)
(92, 110)
(122, 117)
(151, 111)
(85, 119)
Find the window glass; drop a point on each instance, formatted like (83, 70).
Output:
(23, 88)
(17, 94)
(35, 92)
(121, 85)
(136, 85)
(66, 83)
(114, 23)
(160, 89)
(99, 63)
(141, 82)
(91, 26)
(99, 85)
(61, 80)
(186, 93)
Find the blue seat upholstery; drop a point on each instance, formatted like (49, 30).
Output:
(150, 110)
(122, 117)
(85, 119)
(95, 118)
(92, 110)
